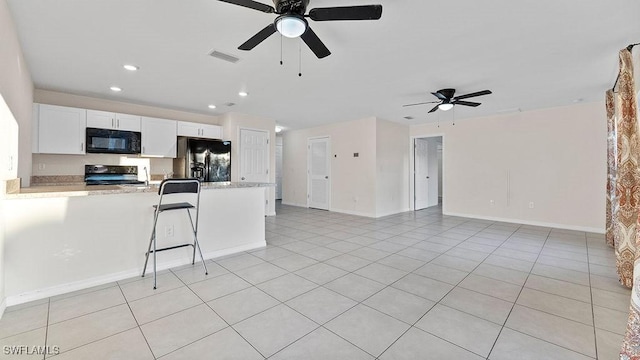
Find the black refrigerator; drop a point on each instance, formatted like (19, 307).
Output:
(204, 159)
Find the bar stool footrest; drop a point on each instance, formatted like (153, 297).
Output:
(170, 248)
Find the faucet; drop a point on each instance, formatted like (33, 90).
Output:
(146, 181)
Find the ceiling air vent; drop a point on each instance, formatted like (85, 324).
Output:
(409, 117)
(229, 104)
(222, 56)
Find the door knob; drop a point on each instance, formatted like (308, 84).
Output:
(326, 177)
(242, 178)
(427, 177)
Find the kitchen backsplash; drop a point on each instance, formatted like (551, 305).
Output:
(47, 165)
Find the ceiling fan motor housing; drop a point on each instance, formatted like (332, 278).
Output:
(291, 6)
(448, 93)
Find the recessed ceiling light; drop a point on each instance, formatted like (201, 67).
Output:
(243, 93)
(115, 89)
(212, 106)
(131, 67)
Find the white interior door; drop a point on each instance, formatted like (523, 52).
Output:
(254, 156)
(278, 171)
(421, 173)
(254, 159)
(318, 173)
(433, 172)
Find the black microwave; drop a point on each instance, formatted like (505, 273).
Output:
(103, 141)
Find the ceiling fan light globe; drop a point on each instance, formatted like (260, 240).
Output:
(291, 26)
(445, 106)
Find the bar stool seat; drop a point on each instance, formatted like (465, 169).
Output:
(169, 187)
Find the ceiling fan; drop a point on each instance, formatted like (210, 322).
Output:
(292, 23)
(447, 100)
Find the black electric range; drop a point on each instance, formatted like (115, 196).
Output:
(111, 175)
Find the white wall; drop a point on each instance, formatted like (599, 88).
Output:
(392, 168)
(16, 90)
(232, 123)
(374, 184)
(555, 158)
(353, 186)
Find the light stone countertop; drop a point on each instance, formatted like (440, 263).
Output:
(69, 190)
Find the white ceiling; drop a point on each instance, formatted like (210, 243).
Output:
(531, 54)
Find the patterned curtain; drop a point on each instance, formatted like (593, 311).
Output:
(612, 165)
(627, 194)
(628, 174)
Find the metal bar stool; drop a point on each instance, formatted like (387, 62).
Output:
(168, 187)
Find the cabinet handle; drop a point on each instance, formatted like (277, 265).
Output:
(118, 123)
(143, 150)
(113, 123)
(81, 146)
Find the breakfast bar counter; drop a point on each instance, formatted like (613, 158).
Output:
(69, 237)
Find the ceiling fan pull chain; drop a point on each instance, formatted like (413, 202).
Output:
(281, 62)
(300, 58)
(454, 116)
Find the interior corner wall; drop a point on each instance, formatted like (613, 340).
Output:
(16, 89)
(232, 123)
(353, 179)
(392, 168)
(545, 167)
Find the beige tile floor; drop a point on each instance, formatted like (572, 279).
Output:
(333, 286)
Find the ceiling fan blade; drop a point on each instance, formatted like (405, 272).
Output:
(422, 103)
(434, 109)
(315, 44)
(479, 93)
(465, 103)
(258, 38)
(252, 5)
(365, 12)
(439, 96)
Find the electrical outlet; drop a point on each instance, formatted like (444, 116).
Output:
(168, 231)
(41, 166)
(531, 204)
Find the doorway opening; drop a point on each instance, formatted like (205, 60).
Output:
(427, 172)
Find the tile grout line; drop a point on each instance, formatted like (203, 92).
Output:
(46, 332)
(435, 303)
(137, 323)
(519, 293)
(593, 312)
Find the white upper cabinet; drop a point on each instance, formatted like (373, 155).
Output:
(206, 131)
(113, 121)
(61, 130)
(159, 137)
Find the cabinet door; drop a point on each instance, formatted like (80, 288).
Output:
(211, 131)
(159, 137)
(61, 130)
(101, 119)
(189, 129)
(127, 122)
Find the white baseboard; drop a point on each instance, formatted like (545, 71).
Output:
(293, 204)
(528, 222)
(109, 278)
(388, 213)
(351, 212)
